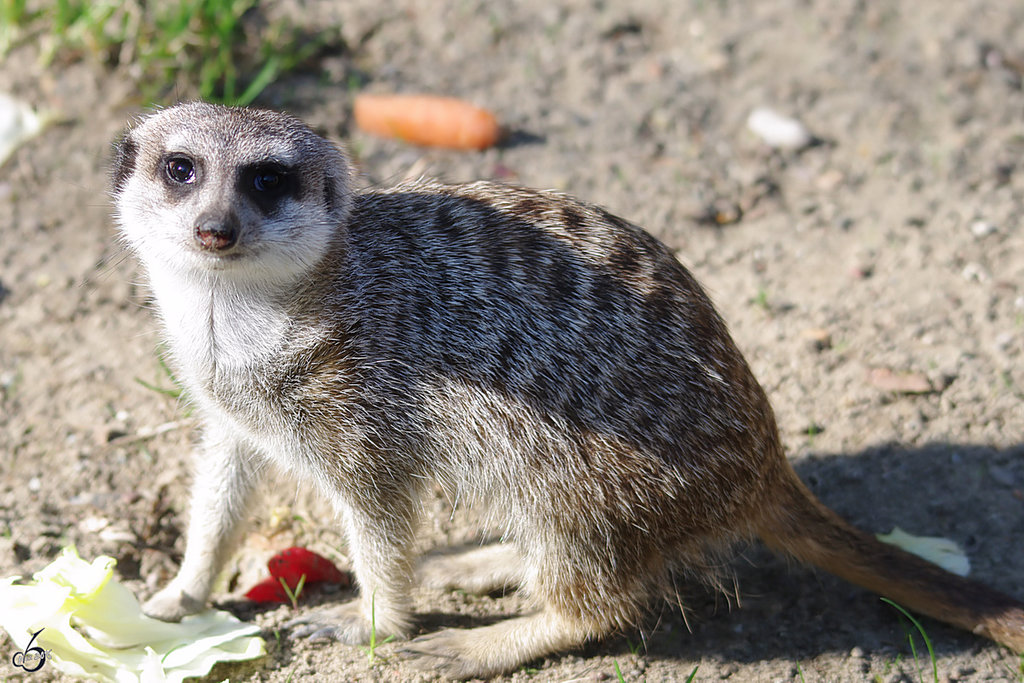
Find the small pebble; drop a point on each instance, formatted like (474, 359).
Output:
(983, 228)
(830, 180)
(818, 339)
(91, 525)
(778, 131)
(862, 272)
(974, 272)
(112, 535)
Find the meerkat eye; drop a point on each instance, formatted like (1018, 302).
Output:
(267, 184)
(268, 180)
(181, 170)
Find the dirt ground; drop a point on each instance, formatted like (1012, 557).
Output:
(890, 252)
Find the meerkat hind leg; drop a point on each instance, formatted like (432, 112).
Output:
(479, 570)
(487, 651)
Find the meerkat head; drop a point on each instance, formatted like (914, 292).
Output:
(245, 193)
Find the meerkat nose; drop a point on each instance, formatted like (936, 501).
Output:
(217, 232)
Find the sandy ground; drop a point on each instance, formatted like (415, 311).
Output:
(891, 247)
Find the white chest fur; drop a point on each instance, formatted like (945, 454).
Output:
(218, 328)
(227, 340)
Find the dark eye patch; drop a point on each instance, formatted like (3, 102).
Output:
(123, 166)
(268, 180)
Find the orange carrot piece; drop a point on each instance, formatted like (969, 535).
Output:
(427, 120)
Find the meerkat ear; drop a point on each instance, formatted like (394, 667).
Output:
(338, 183)
(123, 165)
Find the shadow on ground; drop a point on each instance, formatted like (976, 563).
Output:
(971, 494)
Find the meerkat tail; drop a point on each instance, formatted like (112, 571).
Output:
(801, 526)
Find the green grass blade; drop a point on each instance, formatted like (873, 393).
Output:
(927, 640)
(265, 77)
(293, 596)
(173, 393)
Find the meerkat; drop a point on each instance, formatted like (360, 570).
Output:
(512, 346)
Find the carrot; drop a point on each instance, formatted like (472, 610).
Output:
(427, 120)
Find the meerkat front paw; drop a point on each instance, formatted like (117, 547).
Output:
(172, 603)
(347, 624)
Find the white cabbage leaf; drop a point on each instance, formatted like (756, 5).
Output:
(941, 551)
(93, 627)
